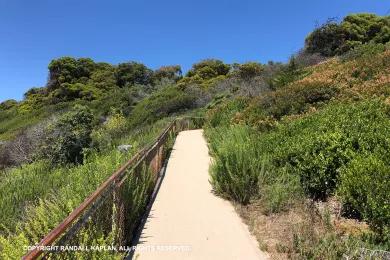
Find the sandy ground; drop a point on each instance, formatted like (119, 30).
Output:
(187, 221)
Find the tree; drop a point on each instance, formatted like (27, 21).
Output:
(168, 72)
(248, 70)
(69, 70)
(209, 68)
(326, 40)
(334, 38)
(8, 104)
(131, 73)
(69, 136)
(103, 77)
(35, 91)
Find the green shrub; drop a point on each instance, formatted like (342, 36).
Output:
(237, 168)
(364, 187)
(69, 136)
(323, 150)
(356, 29)
(161, 104)
(220, 113)
(112, 129)
(131, 73)
(264, 111)
(50, 194)
(364, 51)
(8, 104)
(247, 71)
(318, 146)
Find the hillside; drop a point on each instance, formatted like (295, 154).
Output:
(304, 144)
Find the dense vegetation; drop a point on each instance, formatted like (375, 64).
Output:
(335, 38)
(281, 135)
(318, 133)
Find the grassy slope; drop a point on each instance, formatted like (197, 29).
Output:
(310, 128)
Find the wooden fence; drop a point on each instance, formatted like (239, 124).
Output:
(107, 209)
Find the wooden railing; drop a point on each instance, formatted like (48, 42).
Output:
(106, 206)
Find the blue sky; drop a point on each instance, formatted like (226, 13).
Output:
(155, 32)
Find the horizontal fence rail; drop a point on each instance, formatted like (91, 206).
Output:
(111, 211)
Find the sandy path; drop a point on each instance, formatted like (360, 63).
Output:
(187, 221)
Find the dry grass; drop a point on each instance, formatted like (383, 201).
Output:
(356, 78)
(277, 233)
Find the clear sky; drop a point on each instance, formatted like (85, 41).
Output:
(158, 32)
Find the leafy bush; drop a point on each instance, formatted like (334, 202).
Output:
(41, 179)
(205, 73)
(131, 73)
(69, 136)
(69, 70)
(318, 153)
(237, 168)
(247, 70)
(364, 187)
(263, 111)
(209, 68)
(161, 104)
(318, 146)
(364, 51)
(168, 72)
(337, 38)
(221, 111)
(114, 127)
(8, 104)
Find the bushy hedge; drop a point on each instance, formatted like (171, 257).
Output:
(69, 136)
(364, 187)
(324, 150)
(318, 146)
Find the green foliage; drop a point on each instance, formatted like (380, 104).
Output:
(8, 104)
(168, 72)
(327, 39)
(69, 136)
(318, 146)
(69, 92)
(364, 187)
(365, 51)
(34, 91)
(337, 38)
(207, 69)
(112, 129)
(316, 149)
(131, 73)
(287, 74)
(69, 70)
(221, 111)
(103, 77)
(49, 194)
(160, 104)
(205, 74)
(237, 167)
(247, 70)
(13, 120)
(262, 112)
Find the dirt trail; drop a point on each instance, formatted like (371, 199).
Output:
(187, 221)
